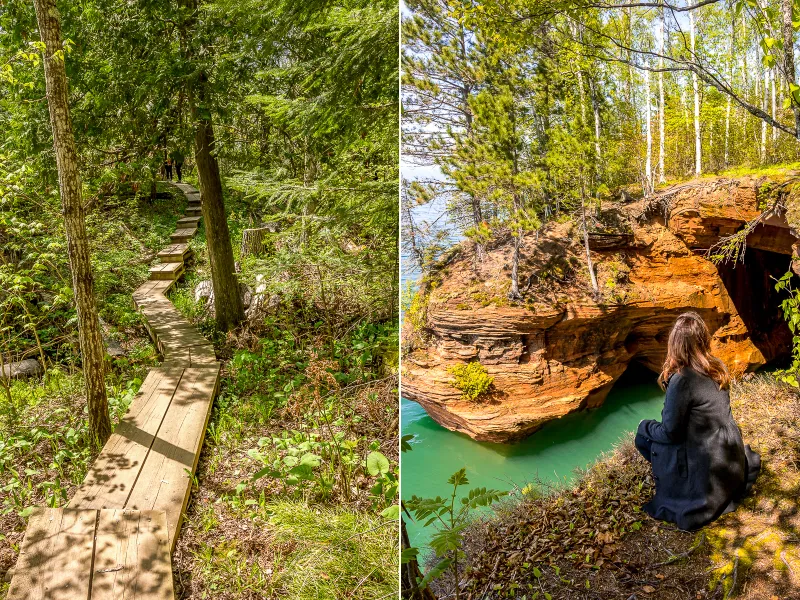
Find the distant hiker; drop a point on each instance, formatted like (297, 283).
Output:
(701, 467)
(177, 159)
(168, 168)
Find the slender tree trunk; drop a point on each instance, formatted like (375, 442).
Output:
(788, 57)
(589, 264)
(89, 336)
(697, 139)
(661, 143)
(228, 307)
(597, 124)
(728, 104)
(764, 94)
(774, 103)
(648, 169)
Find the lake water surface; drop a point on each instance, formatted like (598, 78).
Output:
(551, 454)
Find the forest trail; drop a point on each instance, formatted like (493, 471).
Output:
(115, 538)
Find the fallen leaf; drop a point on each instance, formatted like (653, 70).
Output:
(649, 589)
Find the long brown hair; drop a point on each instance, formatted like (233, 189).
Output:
(690, 346)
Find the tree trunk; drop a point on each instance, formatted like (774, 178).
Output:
(765, 92)
(788, 57)
(728, 104)
(661, 150)
(228, 307)
(253, 240)
(774, 103)
(89, 336)
(597, 124)
(698, 149)
(648, 168)
(410, 573)
(592, 277)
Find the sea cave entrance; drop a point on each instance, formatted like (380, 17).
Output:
(750, 283)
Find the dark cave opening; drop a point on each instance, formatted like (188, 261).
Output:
(751, 286)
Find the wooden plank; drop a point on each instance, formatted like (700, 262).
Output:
(55, 559)
(164, 483)
(191, 356)
(175, 253)
(151, 290)
(112, 476)
(167, 270)
(189, 221)
(132, 559)
(183, 235)
(194, 212)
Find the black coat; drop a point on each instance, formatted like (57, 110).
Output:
(700, 464)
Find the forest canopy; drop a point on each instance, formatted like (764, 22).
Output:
(528, 110)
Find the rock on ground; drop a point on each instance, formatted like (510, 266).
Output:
(205, 291)
(23, 369)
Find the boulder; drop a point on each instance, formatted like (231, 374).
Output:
(23, 369)
(204, 290)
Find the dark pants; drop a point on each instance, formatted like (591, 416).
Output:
(169, 172)
(178, 167)
(643, 445)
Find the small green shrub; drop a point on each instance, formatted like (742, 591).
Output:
(472, 379)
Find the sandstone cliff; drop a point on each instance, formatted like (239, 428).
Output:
(560, 350)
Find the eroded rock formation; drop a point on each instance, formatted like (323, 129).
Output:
(560, 350)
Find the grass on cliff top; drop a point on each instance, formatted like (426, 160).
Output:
(593, 541)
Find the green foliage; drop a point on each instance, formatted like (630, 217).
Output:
(472, 379)
(45, 444)
(791, 312)
(451, 519)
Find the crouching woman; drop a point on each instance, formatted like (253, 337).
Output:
(700, 464)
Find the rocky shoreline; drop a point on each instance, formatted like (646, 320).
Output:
(560, 349)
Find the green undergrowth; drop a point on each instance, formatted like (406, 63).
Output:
(326, 552)
(45, 444)
(125, 234)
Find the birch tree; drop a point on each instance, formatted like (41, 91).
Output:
(698, 147)
(661, 175)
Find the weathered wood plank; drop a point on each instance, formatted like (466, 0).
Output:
(183, 235)
(193, 356)
(192, 221)
(115, 472)
(167, 270)
(194, 211)
(132, 558)
(164, 482)
(175, 253)
(55, 559)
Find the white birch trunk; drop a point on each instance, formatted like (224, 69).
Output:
(648, 168)
(698, 162)
(661, 143)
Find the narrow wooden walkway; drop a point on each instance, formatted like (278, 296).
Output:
(115, 538)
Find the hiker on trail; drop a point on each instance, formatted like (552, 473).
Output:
(177, 159)
(701, 467)
(168, 168)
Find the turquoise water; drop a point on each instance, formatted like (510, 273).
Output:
(551, 454)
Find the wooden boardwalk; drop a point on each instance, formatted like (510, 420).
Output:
(115, 538)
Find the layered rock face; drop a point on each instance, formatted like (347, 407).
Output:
(561, 351)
